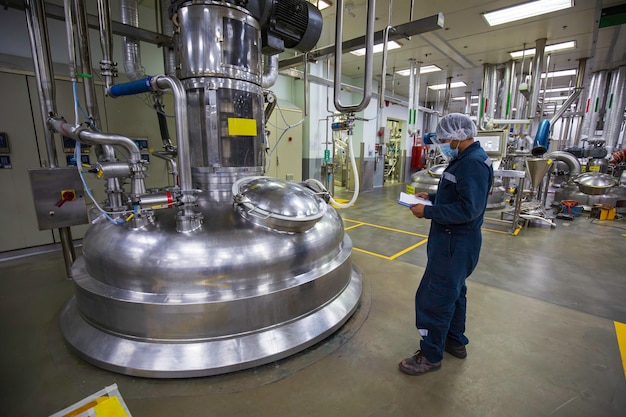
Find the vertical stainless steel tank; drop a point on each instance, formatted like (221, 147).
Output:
(266, 273)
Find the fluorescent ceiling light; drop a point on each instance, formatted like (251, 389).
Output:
(458, 98)
(525, 10)
(549, 48)
(564, 73)
(321, 4)
(444, 86)
(423, 70)
(378, 48)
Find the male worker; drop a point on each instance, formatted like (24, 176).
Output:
(453, 244)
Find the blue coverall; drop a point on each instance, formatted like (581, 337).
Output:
(453, 248)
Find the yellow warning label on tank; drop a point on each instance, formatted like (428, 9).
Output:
(241, 127)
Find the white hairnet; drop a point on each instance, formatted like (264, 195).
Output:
(456, 126)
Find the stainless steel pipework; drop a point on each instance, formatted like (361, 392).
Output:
(162, 83)
(369, 58)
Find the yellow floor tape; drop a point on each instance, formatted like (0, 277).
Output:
(620, 331)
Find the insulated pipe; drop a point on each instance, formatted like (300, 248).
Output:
(446, 100)
(167, 27)
(414, 91)
(570, 160)
(487, 95)
(106, 40)
(507, 90)
(132, 48)
(270, 71)
(40, 49)
(594, 101)
(468, 103)
(369, 58)
(614, 112)
(540, 46)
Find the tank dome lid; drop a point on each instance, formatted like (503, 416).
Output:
(278, 204)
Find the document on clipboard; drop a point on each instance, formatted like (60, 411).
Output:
(409, 200)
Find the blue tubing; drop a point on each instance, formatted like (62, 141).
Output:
(133, 87)
(543, 134)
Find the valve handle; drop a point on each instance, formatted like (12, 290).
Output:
(66, 196)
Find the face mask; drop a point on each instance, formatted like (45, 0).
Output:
(448, 152)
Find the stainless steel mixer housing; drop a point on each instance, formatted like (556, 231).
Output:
(266, 269)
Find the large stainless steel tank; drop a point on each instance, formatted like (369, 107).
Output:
(265, 273)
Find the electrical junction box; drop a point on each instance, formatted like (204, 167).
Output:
(59, 197)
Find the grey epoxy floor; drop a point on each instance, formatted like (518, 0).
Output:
(541, 322)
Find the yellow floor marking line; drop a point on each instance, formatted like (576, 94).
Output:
(620, 331)
(395, 255)
(410, 248)
(372, 253)
(354, 226)
(386, 228)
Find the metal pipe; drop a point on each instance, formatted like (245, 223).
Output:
(164, 82)
(105, 153)
(82, 36)
(565, 105)
(270, 71)
(107, 66)
(44, 75)
(69, 31)
(369, 58)
(170, 157)
(90, 137)
(67, 247)
(383, 72)
(305, 86)
(540, 46)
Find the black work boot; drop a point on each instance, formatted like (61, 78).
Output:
(418, 365)
(458, 351)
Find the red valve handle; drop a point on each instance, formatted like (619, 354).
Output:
(67, 196)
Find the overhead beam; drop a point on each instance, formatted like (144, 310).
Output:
(402, 31)
(56, 12)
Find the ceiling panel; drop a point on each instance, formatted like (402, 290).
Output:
(467, 33)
